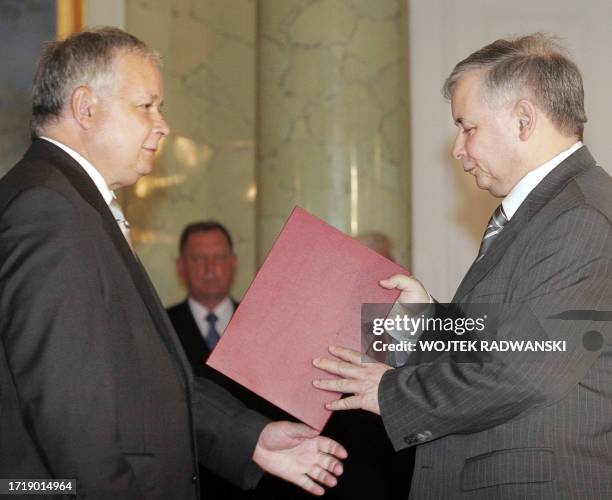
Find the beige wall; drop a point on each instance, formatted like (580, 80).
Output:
(206, 168)
(332, 115)
(449, 212)
(342, 94)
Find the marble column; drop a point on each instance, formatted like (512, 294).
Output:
(206, 167)
(332, 105)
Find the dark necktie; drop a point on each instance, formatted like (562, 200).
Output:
(212, 336)
(496, 224)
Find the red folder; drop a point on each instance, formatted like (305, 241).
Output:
(306, 296)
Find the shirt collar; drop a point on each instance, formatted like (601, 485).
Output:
(515, 198)
(92, 171)
(223, 311)
(226, 306)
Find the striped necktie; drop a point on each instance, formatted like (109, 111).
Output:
(122, 222)
(496, 224)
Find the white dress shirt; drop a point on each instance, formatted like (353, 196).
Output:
(224, 312)
(96, 176)
(515, 198)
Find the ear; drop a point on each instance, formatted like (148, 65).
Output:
(526, 115)
(84, 106)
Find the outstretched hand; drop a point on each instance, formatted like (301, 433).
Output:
(357, 377)
(296, 453)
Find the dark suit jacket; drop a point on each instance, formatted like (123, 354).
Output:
(197, 353)
(193, 343)
(93, 382)
(372, 469)
(523, 426)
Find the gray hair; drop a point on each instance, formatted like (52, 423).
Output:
(84, 58)
(534, 63)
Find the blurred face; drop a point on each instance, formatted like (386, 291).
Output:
(128, 125)
(488, 141)
(207, 267)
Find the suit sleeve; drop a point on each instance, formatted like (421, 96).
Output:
(569, 266)
(58, 343)
(226, 433)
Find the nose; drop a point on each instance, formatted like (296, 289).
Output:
(161, 126)
(210, 264)
(458, 151)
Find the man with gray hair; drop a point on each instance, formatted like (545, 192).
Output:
(93, 383)
(522, 425)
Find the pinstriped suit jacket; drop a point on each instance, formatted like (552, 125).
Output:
(519, 426)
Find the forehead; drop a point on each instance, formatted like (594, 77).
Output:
(208, 241)
(136, 73)
(467, 93)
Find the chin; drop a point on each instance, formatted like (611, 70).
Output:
(482, 184)
(142, 171)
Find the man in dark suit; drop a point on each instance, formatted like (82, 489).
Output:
(522, 425)
(206, 265)
(93, 382)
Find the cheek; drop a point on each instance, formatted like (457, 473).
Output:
(481, 151)
(145, 125)
(139, 128)
(472, 146)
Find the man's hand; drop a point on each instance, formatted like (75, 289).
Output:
(356, 377)
(296, 453)
(413, 292)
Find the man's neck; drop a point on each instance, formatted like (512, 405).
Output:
(65, 136)
(549, 149)
(210, 303)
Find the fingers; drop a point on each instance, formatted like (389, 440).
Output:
(333, 465)
(309, 485)
(346, 386)
(325, 470)
(346, 354)
(347, 368)
(396, 281)
(323, 476)
(350, 403)
(332, 449)
(336, 367)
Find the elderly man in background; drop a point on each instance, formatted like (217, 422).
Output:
(93, 382)
(513, 426)
(206, 265)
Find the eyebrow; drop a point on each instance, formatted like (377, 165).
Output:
(150, 95)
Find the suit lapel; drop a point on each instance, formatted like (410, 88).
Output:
(542, 194)
(481, 268)
(192, 335)
(87, 189)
